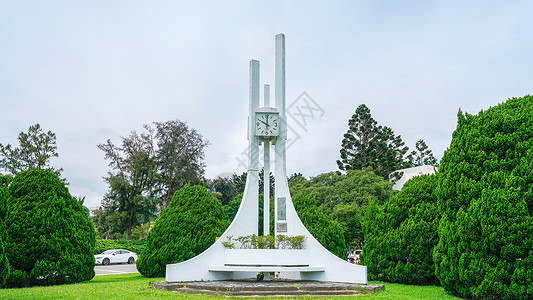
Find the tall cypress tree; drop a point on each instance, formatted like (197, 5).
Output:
(367, 144)
(485, 195)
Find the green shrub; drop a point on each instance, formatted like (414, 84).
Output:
(4, 264)
(18, 279)
(401, 234)
(136, 246)
(187, 227)
(49, 237)
(485, 194)
(327, 232)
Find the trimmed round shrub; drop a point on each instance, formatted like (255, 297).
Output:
(327, 232)
(401, 234)
(187, 226)
(50, 240)
(485, 194)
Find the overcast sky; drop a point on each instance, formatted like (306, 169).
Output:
(96, 70)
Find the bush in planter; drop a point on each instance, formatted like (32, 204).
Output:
(49, 237)
(186, 227)
(486, 199)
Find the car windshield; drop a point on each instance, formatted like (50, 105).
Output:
(108, 252)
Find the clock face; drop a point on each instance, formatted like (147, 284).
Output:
(266, 124)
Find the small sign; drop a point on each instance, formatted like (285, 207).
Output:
(282, 227)
(282, 209)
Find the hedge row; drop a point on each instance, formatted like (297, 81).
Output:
(136, 246)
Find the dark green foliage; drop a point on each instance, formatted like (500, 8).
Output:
(344, 197)
(367, 144)
(326, 231)
(485, 194)
(49, 237)
(18, 279)
(231, 209)
(186, 227)
(4, 263)
(5, 180)
(133, 245)
(401, 234)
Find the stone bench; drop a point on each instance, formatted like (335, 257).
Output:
(265, 260)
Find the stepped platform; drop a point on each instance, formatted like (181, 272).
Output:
(273, 288)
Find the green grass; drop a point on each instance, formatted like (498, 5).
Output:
(135, 286)
(402, 291)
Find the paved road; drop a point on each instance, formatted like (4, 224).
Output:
(115, 269)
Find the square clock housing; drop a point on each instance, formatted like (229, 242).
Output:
(266, 124)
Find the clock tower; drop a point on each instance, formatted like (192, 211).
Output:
(267, 127)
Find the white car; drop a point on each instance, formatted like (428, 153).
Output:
(115, 256)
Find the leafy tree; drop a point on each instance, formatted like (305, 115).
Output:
(401, 234)
(179, 156)
(224, 186)
(485, 195)
(35, 150)
(327, 232)
(423, 156)
(367, 144)
(50, 240)
(4, 263)
(344, 197)
(186, 227)
(146, 170)
(130, 200)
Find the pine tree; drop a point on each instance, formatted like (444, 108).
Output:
(423, 156)
(367, 144)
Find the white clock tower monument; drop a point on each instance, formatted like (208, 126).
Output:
(267, 126)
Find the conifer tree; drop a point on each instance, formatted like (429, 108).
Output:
(50, 240)
(485, 195)
(367, 144)
(401, 234)
(423, 156)
(186, 227)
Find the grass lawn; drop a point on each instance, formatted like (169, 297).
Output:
(135, 286)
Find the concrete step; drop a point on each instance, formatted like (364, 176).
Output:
(268, 288)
